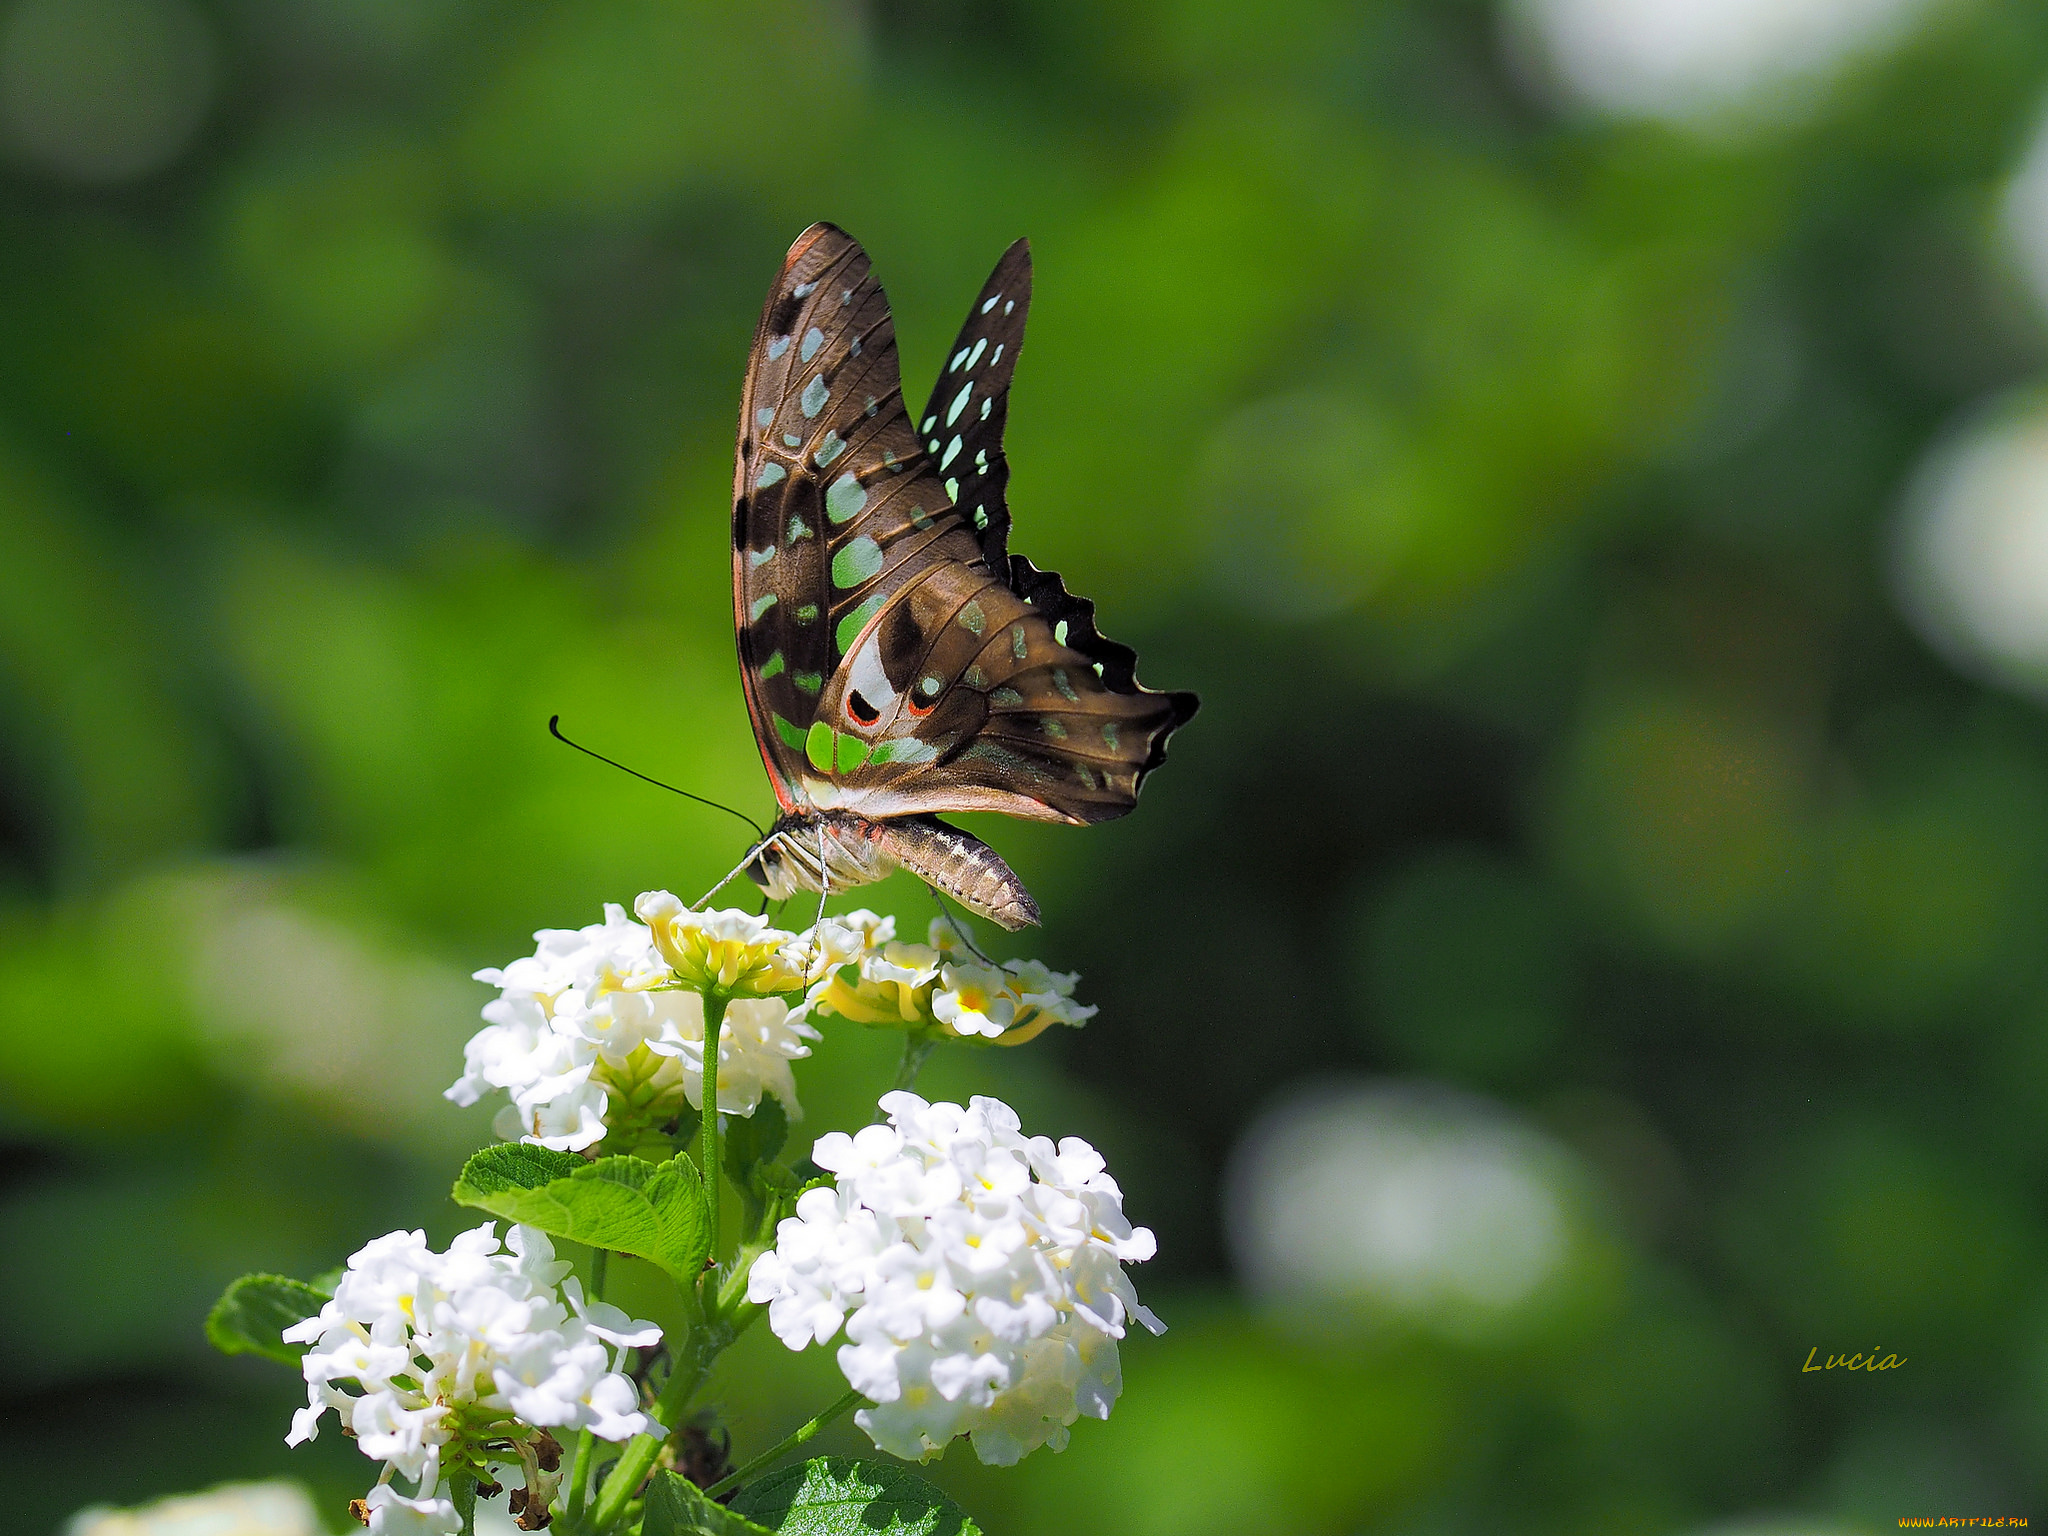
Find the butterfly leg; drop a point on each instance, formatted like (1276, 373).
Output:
(740, 868)
(946, 911)
(824, 873)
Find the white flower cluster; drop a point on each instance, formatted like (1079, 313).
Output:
(602, 1028)
(923, 985)
(449, 1353)
(983, 1271)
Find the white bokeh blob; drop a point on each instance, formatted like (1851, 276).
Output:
(1971, 559)
(1693, 60)
(102, 91)
(1396, 1197)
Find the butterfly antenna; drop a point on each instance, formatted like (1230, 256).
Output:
(555, 730)
(824, 874)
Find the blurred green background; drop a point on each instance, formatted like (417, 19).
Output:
(1587, 953)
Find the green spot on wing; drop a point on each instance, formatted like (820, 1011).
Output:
(818, 746)
(1017, 643)
(850, 626)
(761, 605)
(850, 752)
(845, 498)
(773, 666)
(854, 564)
(792, 735)
(807, 682)
(972, 619)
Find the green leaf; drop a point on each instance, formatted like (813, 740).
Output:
(626, 1204)
(512, 1166)
(678, 1507)
(837, 1496)
(252, 1314)
(754, 1139)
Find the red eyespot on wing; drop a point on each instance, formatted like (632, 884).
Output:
(859, 710)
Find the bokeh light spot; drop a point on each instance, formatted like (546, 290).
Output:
(1401, 1199)
(104, 90)
(1691, 59)
(1973, 553)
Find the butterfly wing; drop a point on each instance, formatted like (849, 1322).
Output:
(970, 694)
(834, 506)
(896, 662)
(962, 424)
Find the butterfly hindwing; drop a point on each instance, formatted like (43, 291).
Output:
(897, 661)
(966, 697)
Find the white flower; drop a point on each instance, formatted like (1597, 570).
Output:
(758, 1040)
(729, 951)
(425, 1356)
(977, 1272)
(935, 985)
(971, 1000)
(595, 1034)
(1044, 996)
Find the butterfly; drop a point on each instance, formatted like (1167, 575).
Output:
(898, 660)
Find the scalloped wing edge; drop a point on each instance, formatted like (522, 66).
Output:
(1047, 592)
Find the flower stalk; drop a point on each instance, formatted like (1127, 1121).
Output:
(707, 1127)
(789, 1443)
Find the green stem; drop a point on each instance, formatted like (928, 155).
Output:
(915, 1049)
(734, 1479)
(707, 1129)
(637, 1460)
(709, 1334)
(600, 1258)
(579, 1479)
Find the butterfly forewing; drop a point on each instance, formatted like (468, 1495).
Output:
(896, 661)
(834, 503)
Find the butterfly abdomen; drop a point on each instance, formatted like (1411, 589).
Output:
(962, 867)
